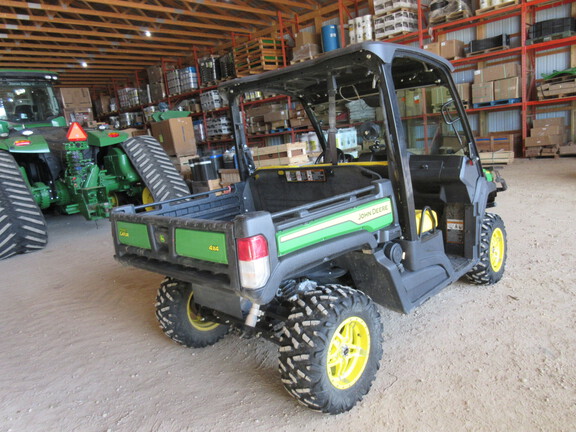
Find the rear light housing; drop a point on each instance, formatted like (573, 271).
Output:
(253, 261)
(21, 143)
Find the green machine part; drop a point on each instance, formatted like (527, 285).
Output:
(86, 188)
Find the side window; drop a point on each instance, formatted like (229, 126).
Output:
(430, 119)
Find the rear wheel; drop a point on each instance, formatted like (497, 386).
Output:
(22, 224)
(493, 252)
(179, 320)
(331, 348)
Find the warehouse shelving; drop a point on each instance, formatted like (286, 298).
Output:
(524, 11)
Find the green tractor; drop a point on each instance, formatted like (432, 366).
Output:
(44, 165)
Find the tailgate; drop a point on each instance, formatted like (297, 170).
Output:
(194, 250)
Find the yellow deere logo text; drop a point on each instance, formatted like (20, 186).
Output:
(214, 248)
(124, 232)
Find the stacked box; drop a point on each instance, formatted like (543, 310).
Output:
(497, 83)
(173, 78)
(394, 17)
(211, 100)
(199, 130)
(361, 29)
(227, 69)
(209, 69)
(188, 79)
(547, 133)
(129, 97)
(218, 126)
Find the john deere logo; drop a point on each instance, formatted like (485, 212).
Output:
(162, 238)
(124, 232)
(214, 248)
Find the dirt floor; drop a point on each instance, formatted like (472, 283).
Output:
(81, 350)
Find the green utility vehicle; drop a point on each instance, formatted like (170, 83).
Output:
(300, 255)
(41, 166)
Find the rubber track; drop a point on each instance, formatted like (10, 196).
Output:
(22, 224)
(155, 168)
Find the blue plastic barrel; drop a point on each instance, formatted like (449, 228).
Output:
(330, 38)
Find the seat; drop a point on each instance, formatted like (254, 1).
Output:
(430, 220)
(24, 112)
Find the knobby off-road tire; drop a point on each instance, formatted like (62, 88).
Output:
(22, 224)
(331, 348)
(493, 252)
(155, 168)
(178, 320)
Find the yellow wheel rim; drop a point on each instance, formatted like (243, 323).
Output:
(147, 198)
(348, 353)
(197, 321)
(114, 200)
(497, 249)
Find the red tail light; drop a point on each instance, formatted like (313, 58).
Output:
(252, 248)
(253, 261)
(21, 143)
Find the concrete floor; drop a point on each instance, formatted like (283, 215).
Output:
(80, 349)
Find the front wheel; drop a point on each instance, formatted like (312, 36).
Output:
(331, 348)
(493, 252)
(179, 320)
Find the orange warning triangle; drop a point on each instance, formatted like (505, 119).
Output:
(76, 133)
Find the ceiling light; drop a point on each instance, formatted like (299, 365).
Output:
(147, 33)
(84, 64)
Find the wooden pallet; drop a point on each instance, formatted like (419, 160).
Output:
(450, 17)
(488, 50)
(285, 154)
(304, 59)
(496, 7)
(551, 37)
(501, 157)
(395, 35)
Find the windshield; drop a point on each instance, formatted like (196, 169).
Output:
(27, 101)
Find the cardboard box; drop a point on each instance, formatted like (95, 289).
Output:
(508, 88)
(495, 143)
(439, 95)
(482, 92)
(300, 123)
(497, 72)
(79, 115)
(548, 130)
(558, 140)
(532, 151)
(433, 47)
(305, 37)
(75, 98)
(401, 96)
(567, 149)
(553, 121)
(176, 136)
(452, 49)
(415, 105)
(205, 186)
(229, 176)
(464, 92)
(274, 116)
(537, 141)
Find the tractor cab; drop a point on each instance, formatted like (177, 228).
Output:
(28, 99)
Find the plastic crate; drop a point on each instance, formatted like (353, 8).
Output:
(552, 26)
(499, 41)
